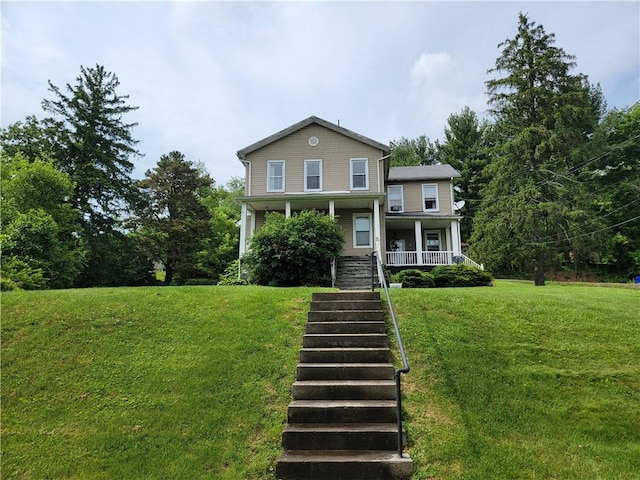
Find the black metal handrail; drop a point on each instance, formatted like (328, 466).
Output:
(405, 369)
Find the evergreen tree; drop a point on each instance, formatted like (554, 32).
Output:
(465, 150)
(174, 222)
(544, 114)
(94, 145)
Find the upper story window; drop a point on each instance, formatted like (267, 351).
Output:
(395, 198)
(275, 176)
(312, 175)
(430, 198)
(359, 174)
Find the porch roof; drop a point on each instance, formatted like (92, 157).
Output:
(308, 201)
(422, 172)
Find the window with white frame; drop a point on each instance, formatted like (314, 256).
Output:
(359, 174)
(362, 230)
(432, 240)
(395, 198)
(430, 197)
(312, 175)
(275, 176)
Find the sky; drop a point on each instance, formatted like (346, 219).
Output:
(212, 77)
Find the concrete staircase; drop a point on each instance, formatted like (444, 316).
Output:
(353, 273)
(342, 422)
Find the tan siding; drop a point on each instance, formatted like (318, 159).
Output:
(333, 149)
(413, 196)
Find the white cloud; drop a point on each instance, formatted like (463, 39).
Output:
(431, 68)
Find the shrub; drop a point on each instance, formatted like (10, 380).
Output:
(414, 279)
(460, 276)
(295, 251)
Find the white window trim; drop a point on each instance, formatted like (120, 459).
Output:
(401, 187)
(360, 215)
(366, 177)
(437, 209)
(284, 169)
(426, 244)
(307, 162)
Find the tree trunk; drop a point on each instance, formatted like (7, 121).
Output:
(538, 276)
(168, 274)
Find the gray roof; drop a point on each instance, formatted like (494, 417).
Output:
(304, 123)
(422, 172)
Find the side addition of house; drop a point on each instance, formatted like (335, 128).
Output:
(406, 214)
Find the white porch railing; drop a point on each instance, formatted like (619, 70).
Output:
(404, 259)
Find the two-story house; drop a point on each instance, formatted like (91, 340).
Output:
(406, 214)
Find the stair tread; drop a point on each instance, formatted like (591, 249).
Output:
(344, 382)
(342, 427)
(343, 456)
(342, 403)
(344, 365)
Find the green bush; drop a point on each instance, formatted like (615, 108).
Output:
(460, 276)
(295, 251)
(414, 279)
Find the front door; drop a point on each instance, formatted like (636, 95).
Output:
(432, 241)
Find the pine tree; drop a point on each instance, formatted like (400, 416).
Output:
(95, 145)
(543, 115)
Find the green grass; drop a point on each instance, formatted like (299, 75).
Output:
(523, 382)
(152, 383)
(193, 382)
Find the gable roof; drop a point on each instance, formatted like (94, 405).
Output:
(422, 172)
(305, 123)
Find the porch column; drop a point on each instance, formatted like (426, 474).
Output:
(287, 209)
(418, 231)
(376, 227)
(455, 237)
(332, 208)
(448, 233)
(243, 228)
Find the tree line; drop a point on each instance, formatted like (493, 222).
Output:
(551, 181)
(73, 216)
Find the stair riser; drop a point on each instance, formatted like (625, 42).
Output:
(349, 305)
(345, 327)
(345, 296)
(344, 440)
(336, 355)
(344, 470)
(342, 415)
(346, 316)
(318, 372)
(343, 392)
(344, 341)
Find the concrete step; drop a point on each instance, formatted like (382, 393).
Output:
(326, 296)
(344, 390)
(343, 411)
(345, 371)
(345, 355)
(340, 436)
(344, 340)
(345, 305)
(346, 327)
(343, 465)
(375, 315)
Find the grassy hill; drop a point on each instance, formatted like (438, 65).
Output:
(193, 382)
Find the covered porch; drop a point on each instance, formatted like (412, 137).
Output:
(424, 241)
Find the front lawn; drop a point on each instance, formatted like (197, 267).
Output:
(193, 382)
